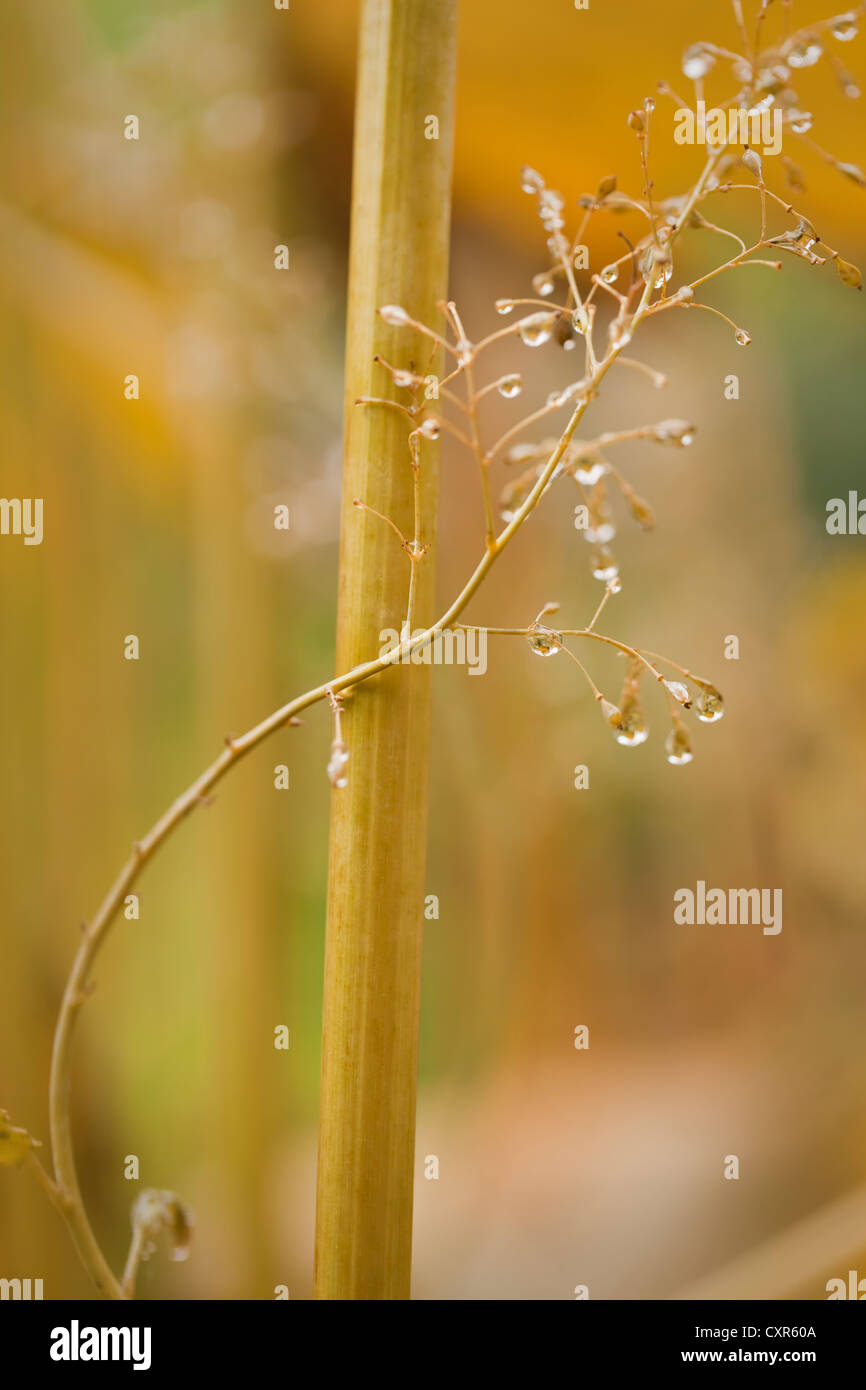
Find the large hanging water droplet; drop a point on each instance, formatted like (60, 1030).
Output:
(845, 28)
(543, 284)
(710, 706)
(537, 329)
(543, 641)
(634, 729)
(678, 748)
(806, 53)
(510, 386)
(663, 276)
(742, 337)
(697, 61)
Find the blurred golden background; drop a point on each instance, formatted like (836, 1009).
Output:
(557, 1167)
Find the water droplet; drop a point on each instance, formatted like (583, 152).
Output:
(337, 764)
(430, 428)
(504, 306)
(542, 284)
(845, 28)
(600, 534)
(604, 566)
(564, 334)
(609, 274)
(678, 434)
(580, 320)
(403, 378)
(543, 641)
(663, 277)
(634, 729)
(742, 337)
(649, 105)
(394, 315)
(697, 61)
(537, 328)
(678, 746)
(615, 584)
(590, 470)
(679, 691)
(710, 706)
(806, 53)
(800, 121)
(530, 180)
(510, 386)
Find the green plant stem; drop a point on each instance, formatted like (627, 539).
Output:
(399, 255)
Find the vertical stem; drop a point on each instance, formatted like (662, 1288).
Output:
(399, 255)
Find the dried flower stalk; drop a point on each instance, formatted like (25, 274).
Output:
(598, 313)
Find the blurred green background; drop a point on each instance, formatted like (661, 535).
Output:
(557, 1167)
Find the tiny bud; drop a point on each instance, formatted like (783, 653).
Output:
(752, 162)
(636, 121)
(849, 274)
(641, 511)
(610, 712)
(394, 315)
(530, 180)
(679, 691)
